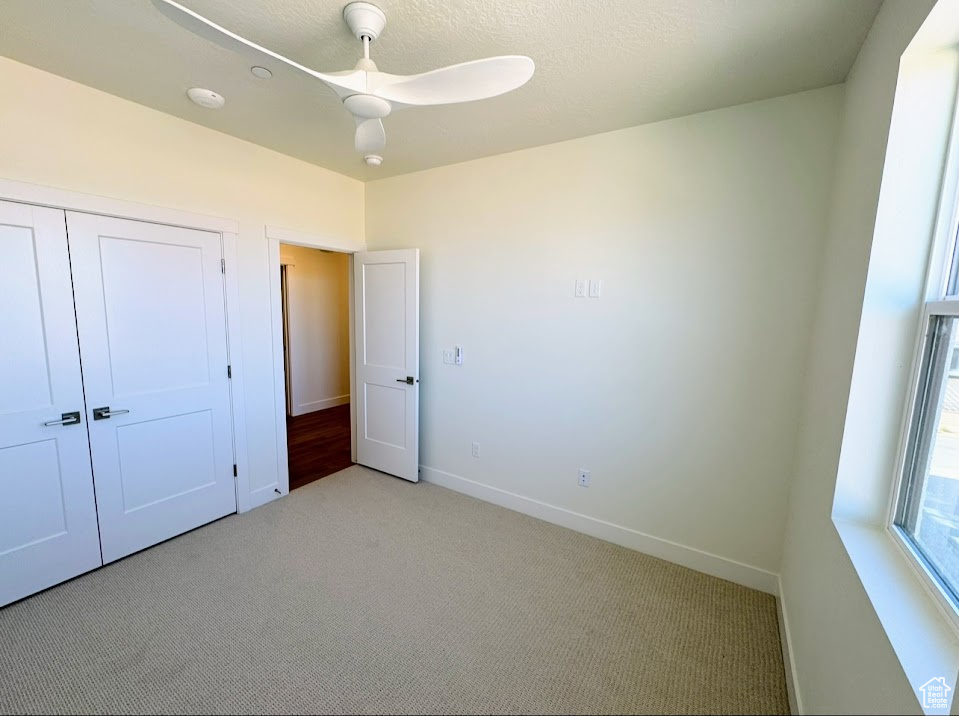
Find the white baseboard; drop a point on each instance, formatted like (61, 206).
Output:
(320, 405)
(711, 564)
(789, 664)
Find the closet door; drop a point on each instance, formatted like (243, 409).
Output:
(152, 325)
(48, 519)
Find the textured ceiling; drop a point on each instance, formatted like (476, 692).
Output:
(600, 64)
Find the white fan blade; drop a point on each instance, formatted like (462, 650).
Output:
(370, 135)
(343, 83)
(465, 82)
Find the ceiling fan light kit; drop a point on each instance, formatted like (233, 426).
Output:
(368, 94)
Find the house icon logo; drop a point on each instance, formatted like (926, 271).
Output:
(935, 693)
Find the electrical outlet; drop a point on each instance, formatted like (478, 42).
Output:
(584, 478)
(580, 289)
(448, 357)
(476, 451)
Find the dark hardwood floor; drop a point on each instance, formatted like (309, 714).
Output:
(319, 444)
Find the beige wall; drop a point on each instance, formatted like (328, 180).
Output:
(680, 387)
(683, 388)
(62, 134)
(319, 327)
(843, 659)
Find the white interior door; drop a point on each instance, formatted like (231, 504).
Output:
(387, 325)
(152, 327)
(48, 519)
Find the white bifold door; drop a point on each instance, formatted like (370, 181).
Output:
(386, 303)
(48, 518)
(152, 325)
(115, 422)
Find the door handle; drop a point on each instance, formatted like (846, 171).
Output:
(105, 413)
(65, 419)
(409, 380)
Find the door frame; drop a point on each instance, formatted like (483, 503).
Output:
(286, 270)
(276, 235)
(228, 229)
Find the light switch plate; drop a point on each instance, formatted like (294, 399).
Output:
(458, 355)
(594, 288)
(448, 357)
(580, 290)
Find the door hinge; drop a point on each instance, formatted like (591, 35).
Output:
(234, 469)
(222, 265)
(229, 372)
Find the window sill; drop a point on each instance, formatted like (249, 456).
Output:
(924, 639)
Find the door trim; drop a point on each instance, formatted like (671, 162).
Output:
(286, 270)
(231, 285)
(274, 236)
(69, 200)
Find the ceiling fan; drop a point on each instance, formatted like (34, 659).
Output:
(368, 94)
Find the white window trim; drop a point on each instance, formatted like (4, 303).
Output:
(944, 602)
(942, 254)
(921, 629)
(930, 584)
(914, 623)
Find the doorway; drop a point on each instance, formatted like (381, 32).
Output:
(315, 305)
(383, 358)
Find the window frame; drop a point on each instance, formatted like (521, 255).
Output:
(942, 275)
(924, 366)
(933, 369)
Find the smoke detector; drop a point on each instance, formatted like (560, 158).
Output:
(373, 160)
(205, 98)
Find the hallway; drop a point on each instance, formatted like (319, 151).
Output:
(318, 444)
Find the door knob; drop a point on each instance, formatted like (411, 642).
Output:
(409, 380)
(65, 419)
(106, 413)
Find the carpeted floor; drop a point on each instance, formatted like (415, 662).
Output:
(397, 598)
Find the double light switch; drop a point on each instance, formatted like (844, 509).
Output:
(590, 287)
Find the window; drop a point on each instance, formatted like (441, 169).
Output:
(927, 510)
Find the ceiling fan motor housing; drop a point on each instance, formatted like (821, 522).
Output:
(367, 106)
(371, 95)
(364, 19)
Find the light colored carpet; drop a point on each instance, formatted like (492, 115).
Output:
(364, 593)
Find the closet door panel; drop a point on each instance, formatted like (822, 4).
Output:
(48, 520)
(152, 324)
